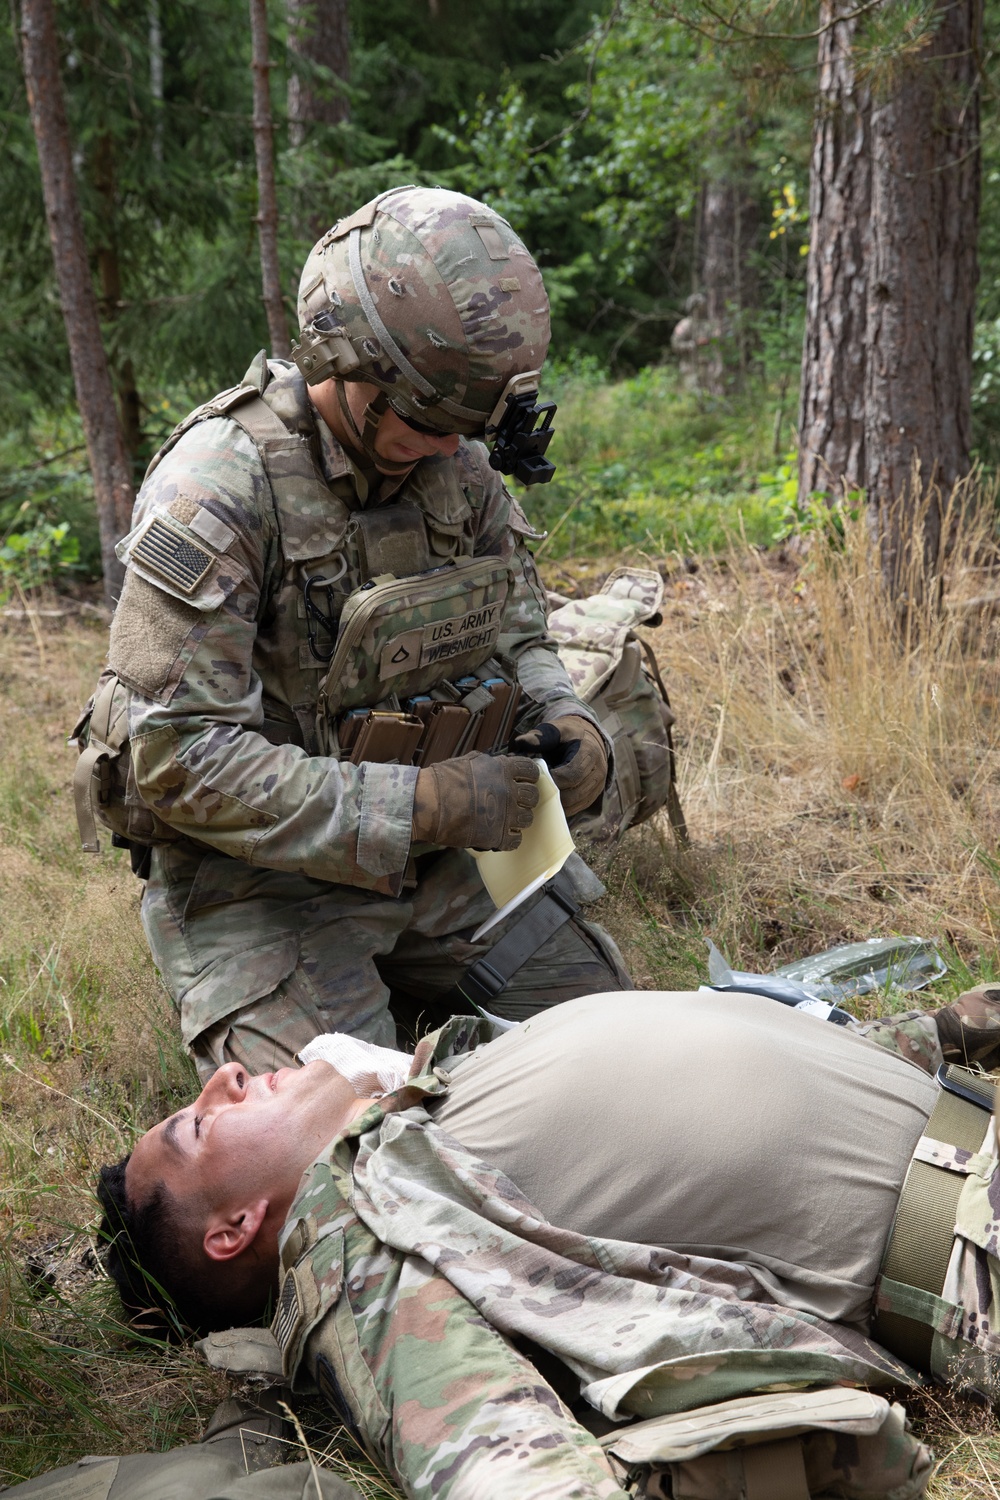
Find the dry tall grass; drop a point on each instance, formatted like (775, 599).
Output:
(840, 782)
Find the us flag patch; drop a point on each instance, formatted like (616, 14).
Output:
(174, 556)
(288, 1317)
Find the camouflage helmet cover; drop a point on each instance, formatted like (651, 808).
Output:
(428, 295)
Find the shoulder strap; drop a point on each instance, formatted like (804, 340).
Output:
(251, 412)
(675, 812)
(311, 520)
(250, 389)
(106, 734)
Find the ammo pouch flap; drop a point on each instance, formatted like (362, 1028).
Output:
(402, 636)
(616, 672)
(795, 1445)
(104, 788)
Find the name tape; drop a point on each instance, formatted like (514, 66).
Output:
(478, 630)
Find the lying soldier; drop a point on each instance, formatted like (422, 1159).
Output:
(682, 1198)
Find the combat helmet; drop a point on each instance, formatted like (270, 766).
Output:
(431, 296)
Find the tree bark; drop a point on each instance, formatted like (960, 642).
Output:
(109, 275)
(832, 397)
(267, 197)
(319, 37)
(729, 225)
(156, 76)
(109, 463)
(925, 224)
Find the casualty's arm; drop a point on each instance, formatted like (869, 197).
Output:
(441, 1399)
(911, 1034)
(195, 709)
(966, 1031)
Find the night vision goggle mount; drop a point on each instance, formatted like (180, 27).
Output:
(518, 445)
(323, 351)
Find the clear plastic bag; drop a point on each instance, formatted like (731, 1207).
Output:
(902, 963)
(772, 987)
(816, 984)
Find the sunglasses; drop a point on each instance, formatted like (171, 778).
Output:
(422, 427)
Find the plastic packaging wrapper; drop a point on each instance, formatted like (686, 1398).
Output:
(816, 984)
(902, 963)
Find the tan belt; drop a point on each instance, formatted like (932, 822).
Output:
(923, 1231)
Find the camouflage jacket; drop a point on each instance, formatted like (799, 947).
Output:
(413, 1274)
(211, 635)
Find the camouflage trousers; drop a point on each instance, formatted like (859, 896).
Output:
(260, 961)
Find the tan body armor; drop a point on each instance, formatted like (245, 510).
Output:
(354, 562)
(377, 630)
(363, 610)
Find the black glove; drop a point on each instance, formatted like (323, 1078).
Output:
(575, 752)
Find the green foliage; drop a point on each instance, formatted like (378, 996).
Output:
(986, 380)
(415, 71)
(815, 516)
(649, 160)
(593, 125)
(31, 559)
(646, 463)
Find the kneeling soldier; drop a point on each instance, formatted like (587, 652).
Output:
(331, 637)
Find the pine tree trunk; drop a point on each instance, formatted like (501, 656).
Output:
(925, 224)
(832, 399)
(110, 278)
(318, 36)
(729, 225)
(156, 76)
(109, 464)
(267, 197)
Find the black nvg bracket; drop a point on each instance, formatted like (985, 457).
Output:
(519, 446)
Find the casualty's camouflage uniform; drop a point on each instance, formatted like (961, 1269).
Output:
(967, 1031)
(282, 900)
(414, 1273)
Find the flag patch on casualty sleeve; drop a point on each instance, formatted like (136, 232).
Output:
(164, 550)
(289, 1315)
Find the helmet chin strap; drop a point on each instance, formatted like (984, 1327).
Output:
(366, 435)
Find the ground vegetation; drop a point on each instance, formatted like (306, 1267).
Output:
(839, 784)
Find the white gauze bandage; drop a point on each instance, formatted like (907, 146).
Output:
(371, 1071)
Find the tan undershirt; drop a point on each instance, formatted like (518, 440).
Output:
(722, 1125)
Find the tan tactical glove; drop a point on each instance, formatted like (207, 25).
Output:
(475, 801)
(575, 753)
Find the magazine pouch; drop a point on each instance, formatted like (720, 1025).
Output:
(400, 637)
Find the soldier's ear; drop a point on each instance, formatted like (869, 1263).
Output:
(228, 1234)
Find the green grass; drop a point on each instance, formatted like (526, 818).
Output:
(646, 463)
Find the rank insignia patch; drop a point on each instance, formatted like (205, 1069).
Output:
(174, 556)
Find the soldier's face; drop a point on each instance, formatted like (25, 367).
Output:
(398, 442)
(244, 1136)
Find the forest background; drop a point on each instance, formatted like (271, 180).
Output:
(683, 172)
(650, 154)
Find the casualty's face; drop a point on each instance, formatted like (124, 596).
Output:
(243, 1135)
